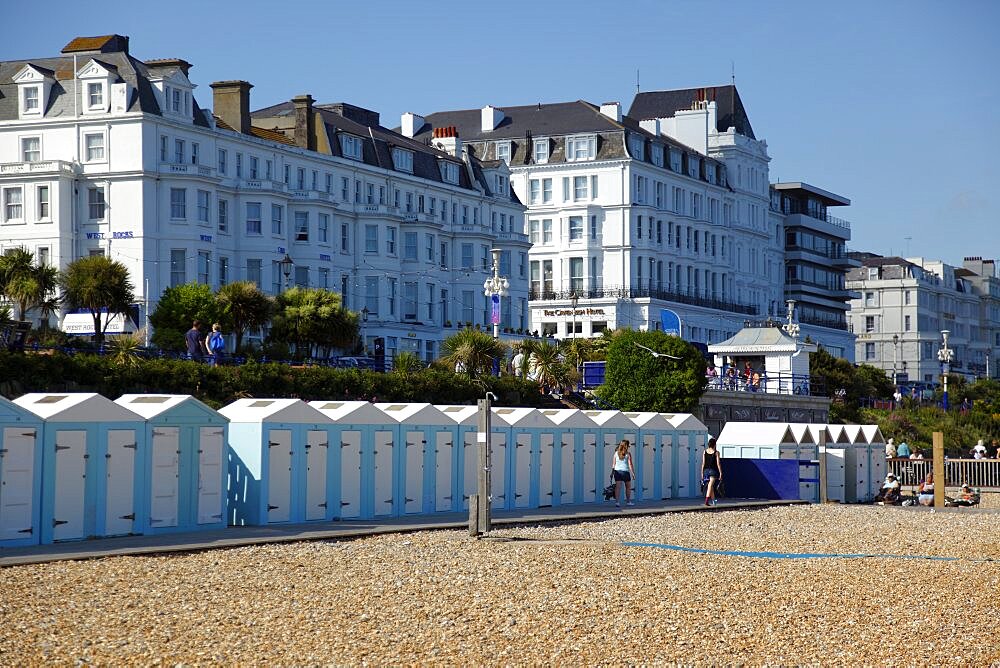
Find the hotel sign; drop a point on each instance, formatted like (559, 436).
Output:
(569, 312)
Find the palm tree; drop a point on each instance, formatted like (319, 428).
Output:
(16, 266)
(33, 288)
(472, 352)
(244, 308)
(406, 363)
(98, 283)
(548, 366)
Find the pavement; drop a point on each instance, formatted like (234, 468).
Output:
(165, 543)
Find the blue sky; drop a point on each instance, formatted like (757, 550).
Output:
(894, 104)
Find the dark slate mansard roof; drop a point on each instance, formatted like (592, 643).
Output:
(665, 103)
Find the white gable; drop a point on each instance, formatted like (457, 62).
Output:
(519, 417)
(756, 433)
(30, 74)
(873, 434)
(568, 417)
(272, 410)
(94, 70)
(413, 413)
(350, 412)
(649, 420)
(76, 407)
(152, 405)
(610, 419)
(468, 415)
(685, 421)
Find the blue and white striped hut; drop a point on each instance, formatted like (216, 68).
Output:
(654, 456)
(465, 470)
(612, 427)
(20, 475)
(690, 441)
(422, 431)
(561, 464)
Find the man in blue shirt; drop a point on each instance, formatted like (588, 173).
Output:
(192, 339)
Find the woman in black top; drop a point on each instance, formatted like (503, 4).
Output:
(711, 470)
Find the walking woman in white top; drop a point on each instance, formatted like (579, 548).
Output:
(622, 472)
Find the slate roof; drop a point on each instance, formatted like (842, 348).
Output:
(760, 339)
(665, 103)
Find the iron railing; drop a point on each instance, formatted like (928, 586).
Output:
(621, 292)
(780, 383)
(981, 473)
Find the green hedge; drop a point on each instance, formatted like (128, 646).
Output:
(218, 386)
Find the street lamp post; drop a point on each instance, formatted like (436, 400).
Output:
(495, 287)
(945, 355)
(575, 299)
(895, 345)
(364, 323)
(286, 268)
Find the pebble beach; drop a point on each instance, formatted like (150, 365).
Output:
(570, 594)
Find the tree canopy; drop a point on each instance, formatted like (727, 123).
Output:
(314, 320)
(471, 351)
(243, 307)
(97, 283)
(26, 284)
(636, 380)
(178, 307)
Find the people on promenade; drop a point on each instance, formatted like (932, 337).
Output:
(192, 339)
(711, 471)
(996, 449)
(215, 345)
(903, 450)
(623, 473)
(897, 398)
(925, 491)
(979, 450)
(890, 449)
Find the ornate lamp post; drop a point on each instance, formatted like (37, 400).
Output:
(495, 288)
(945, 355)
(575, 299)
(286, 268)
(895, 346)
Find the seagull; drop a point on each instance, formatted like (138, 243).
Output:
(796, 353)
(656, 354)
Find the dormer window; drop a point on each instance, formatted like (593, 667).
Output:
(95, 95)
(449, 172)
(350, 146)
(33, 84)
(503, 151)
(581, 148)
(675, 161)
(657, 155)
(403, 160)
(501, 185)
(636, 145)
(541, 151)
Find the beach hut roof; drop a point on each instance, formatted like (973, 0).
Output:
(467, 415)
(873, 433)
(76, 407)
(153, 405)
(649, 420)
(416, 413)
(272, 410)
(610, 419)
(519, 417)
(350, 412)
(685, 421)
(11, 412)
(756, 433)
(567, 417)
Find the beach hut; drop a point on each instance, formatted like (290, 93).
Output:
(183, 462)
(91, 479)
(465, 468)
(692, 435)
(865, 463)
(512, 439)
(277, 461)
(655, 455)
(20, 475)
(422, 432)
(612, 427)
(351, 478)
(564, 482)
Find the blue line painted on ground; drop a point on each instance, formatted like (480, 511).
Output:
(797, 555)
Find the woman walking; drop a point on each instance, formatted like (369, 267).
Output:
(622, 473)
(711, 471)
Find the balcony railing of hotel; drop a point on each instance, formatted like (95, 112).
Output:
(792, 208)
(620, 292)
(832, 322)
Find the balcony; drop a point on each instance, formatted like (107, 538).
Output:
(833, 322)
(184, 168)
(257, 184)
(40, 167)
(615, 292)
(312, 194)
(512, 236)
(380, 210)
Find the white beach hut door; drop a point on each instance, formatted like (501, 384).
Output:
(547, 442)
(71, 478)
(316, 456)
(567, 474)
(470, 467)
(443, 467)
(119, 516)
(835, 474)
(590, 490)
(166, 470)
(498, 469)
(210, 475)
(384, 441)
(279, 476)
(644, 490)
(414, 488)
(17, 464)
(522, 470)
(683, 470)
(666, 466)
(350, 474)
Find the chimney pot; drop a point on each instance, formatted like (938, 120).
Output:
(305, 122)
(231, 103)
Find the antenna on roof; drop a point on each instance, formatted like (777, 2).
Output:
(732, 71)
(637, 80)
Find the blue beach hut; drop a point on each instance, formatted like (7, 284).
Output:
(465, 467)
(689, 444)
(184, 462)
(654, 455)
(20, 475)
(277, 461)
(423, 433)
(92, 481)
(561, 472)
(612, 427)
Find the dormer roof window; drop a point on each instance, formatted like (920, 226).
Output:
(95, 87)
(541, 151)
(503, 151)
(33, 85)
(581, 147)
(403, 160)
(174, 90)
(636, 144)
(449, 171)
(351, 147)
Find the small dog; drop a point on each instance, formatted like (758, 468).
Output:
(609, 492)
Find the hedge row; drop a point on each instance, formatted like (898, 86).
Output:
(218, 386)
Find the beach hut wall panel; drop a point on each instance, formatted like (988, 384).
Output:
(465, 459)
(350, 473)
(421, 429)
(184, 462)
(270, 445)
(568, 457)
(92, 483)
(612, 427)
(20, 475)
(692, 435)
(836, 474)
(656, 461)
(516, 428)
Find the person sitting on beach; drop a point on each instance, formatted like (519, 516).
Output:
(966, 497)
(925, 491)
(889, 494)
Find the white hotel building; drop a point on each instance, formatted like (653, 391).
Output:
(102, 153)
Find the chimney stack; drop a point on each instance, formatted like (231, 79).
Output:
(446, 139)
(231, 103)
(305, 122)
(410, 124)
(612, 110)
(491, 118)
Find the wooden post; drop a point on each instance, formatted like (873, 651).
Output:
(821, 452)
(939, 481)
(480, 518)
